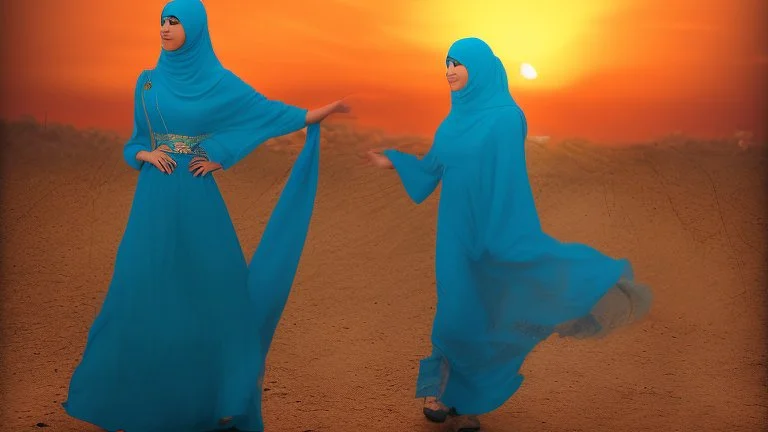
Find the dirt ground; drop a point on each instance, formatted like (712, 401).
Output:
(691, 217)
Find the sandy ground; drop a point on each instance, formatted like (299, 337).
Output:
(691, 217)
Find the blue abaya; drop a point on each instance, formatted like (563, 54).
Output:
(182, 336)
(503, 285)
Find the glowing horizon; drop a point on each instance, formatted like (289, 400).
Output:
(623, 66)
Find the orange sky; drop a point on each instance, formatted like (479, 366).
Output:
(615, 70)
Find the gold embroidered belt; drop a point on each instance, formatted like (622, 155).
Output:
(182, 144)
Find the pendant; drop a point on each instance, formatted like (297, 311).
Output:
(148, 85)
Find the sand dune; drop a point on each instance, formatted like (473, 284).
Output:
(690, 215)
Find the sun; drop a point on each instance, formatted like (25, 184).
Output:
(528, 71)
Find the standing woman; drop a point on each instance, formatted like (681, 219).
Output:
(503, 285)
(181, 339)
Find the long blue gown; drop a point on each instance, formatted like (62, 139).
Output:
(503, 285)
(181, 338)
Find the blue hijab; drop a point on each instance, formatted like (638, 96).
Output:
(193, 69)
(483, 99)
(487, 86)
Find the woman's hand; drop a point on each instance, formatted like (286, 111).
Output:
(159, 158)
(341, 107)
(201, 166)
(379, 160)
(319, 114)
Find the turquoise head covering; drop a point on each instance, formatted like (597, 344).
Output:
(481, 105)
(487, 86)
(193, 69)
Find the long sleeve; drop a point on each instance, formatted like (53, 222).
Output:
(420, 177)
(258, 119)
(140, 137)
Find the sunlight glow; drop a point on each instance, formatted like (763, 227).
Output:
(528, 71)
(538, 32)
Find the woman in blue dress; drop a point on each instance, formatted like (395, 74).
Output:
(181, 339)
(503, 285)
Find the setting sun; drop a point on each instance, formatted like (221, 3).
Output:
(528, 71)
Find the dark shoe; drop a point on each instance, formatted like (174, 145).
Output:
(438, 415)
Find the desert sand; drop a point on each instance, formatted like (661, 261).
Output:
(691, 216)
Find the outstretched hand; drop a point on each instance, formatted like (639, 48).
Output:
(379, 160)
(201, 166)
(341, 106)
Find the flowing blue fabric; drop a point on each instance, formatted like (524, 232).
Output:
(184, 330)
(503, 285)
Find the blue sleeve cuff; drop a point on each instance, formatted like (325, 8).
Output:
(216, 153)
(418, 183)
(129, 154)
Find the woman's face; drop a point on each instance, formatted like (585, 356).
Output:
(172, 34)
(456, 74)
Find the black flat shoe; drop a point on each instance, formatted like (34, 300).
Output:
(435, 416)
(438, 415)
